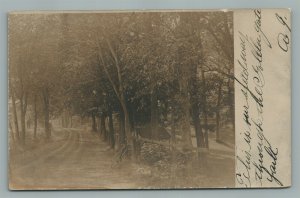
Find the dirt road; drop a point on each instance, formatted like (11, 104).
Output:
(78, 160)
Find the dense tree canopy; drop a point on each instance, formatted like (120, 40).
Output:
(165, 75)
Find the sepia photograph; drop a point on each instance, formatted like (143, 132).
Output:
(121, 100)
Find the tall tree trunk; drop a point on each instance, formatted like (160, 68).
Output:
(130, 140)
(63, 119)
(98, 125)
(23, 106)
(198, 127)
(173, 132)
(120, 92)
(47, 113)
(102, 127)
(11, 131)
(231, 102)
(111, 130)
(205, 109)
(23, 128)
(71, 120)
(67, 119)
(218, 111)
(154, 114)
(195, 110)
(16, 123)
(35, 116)
(173, 144)
(127, 126)
(122, 129)
(126, 120)
(131, 112)
(94, 127)
(186, 128)
(135, 140)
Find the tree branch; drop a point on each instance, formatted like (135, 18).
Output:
(117, 65)
(101, 62)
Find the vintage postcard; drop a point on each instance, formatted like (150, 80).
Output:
(165, 99)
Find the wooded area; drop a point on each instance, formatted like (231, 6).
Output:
(152, 85)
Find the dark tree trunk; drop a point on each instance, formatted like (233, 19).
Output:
(111, 130)
(154, 114)
(126, 121)
(135, 141)
(35, 117)
(11, 132)
(102, 127)
(205, 109)
(16, 123)
(173, 132)
(231, 102)
(122, 129)
(23, 104)
(67, 119)
(71, 120)
(195, 110)
(186, 128)
(23, 128)
(120, 92)
(62, 121)
(47, 113)
(130, 140)
(173, 142)
(94, 127)
(131, 111)
(165, 110)
(218, 111)
(98, 124)
(198, 127)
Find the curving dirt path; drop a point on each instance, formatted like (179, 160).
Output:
(79, 161)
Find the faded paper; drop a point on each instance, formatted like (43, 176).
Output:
(263, 97)
(149, 99)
